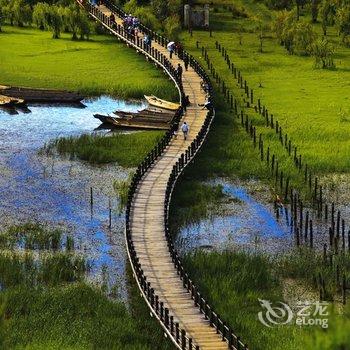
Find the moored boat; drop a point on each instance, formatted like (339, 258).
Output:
(6, 101)
(157, 102)
(133, 123)
(33, 95)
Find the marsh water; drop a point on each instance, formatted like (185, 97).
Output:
(244, 218)
(56, 191)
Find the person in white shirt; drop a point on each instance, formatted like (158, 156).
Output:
(185, 128)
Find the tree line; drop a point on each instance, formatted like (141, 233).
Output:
(65, 16)
(160, 15)
(299, 37)
(328, 12)
(57, 18)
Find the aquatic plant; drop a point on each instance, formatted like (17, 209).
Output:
(121, 187)
(192, 201)
(45, 302)
(128, 150)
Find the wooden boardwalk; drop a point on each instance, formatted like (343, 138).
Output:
(147, 221)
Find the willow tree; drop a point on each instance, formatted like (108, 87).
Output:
(323, 52)
(327, 11)
(55, 22)
(172, 27)
(22, 13)
(41, 13)
(343, 23)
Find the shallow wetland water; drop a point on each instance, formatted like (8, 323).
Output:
(246, 218)
(55, 191)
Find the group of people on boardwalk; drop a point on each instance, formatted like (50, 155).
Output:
(175, 47)
(131, 24)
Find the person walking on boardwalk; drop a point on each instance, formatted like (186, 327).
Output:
(179, 50)
(186, 62)
(171, 48)
(185, 101)
(179, 71)
(185, 129)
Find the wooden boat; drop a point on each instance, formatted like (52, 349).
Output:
(157, 102)
(31, 95)
(6, 101)
(152, 109)
(144, 117)
(147, 112)
(132, 123)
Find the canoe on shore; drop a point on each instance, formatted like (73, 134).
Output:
(6, 101)
(132, 123)
(147, 112)
(145, 115)
(30, 95)
(157, 102)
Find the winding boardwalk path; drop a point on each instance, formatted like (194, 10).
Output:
(147, 220)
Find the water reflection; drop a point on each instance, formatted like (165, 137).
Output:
(247, 221)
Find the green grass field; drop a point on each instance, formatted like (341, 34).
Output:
(29, 57)
(46, 302)
(312, 105)
(233, 281)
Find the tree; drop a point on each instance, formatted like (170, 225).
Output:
(314, 10)
(148, 18)
(55, 22)
(172, 27)
(284, 29)
(279, 4)
(73, 20)
(323, 52)
(0, 18)
(343, 23)
(327, 12)
(174, 7)
(261, 36)
(7, 11)
(65, 13)
(297, 37)
(131, 6)
(41, 14)
(22, 13)
(299, 3)
(165, 8)
(159, 8)
(303, 38)
(84, 26)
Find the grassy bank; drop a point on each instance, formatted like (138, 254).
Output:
(310, 104)
(233, 282)
(30, 57)
(45, 302)
(128, 150)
